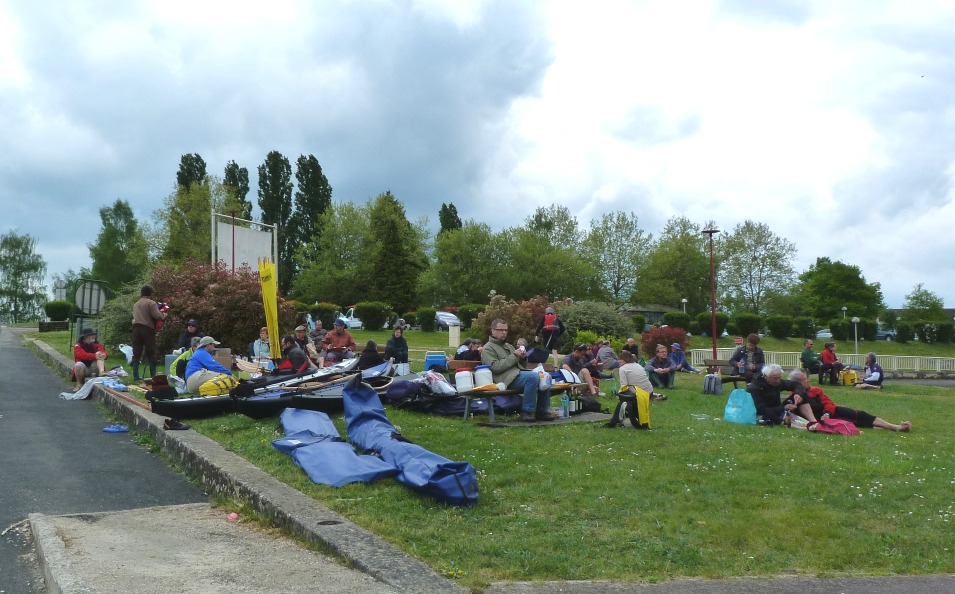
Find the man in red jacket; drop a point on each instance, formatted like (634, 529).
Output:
(90, 357)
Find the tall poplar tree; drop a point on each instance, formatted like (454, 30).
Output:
(395, 257)
(22, 293)
(275, 202)
(236, 183)
(448, 217)
(192, 170)
(312, 199)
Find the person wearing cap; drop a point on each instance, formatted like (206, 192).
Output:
(549, 330)
(338, 344)
(260, 348)
(205, 375)
(301, 338)
(678, 357)
(192, 331)
(89, 356)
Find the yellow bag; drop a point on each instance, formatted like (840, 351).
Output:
(219, 385)
(849, 377)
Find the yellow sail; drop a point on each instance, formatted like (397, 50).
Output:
(270, 302)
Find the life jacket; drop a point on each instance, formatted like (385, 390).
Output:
(550, 322)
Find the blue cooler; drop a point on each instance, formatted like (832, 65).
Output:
(432, 358)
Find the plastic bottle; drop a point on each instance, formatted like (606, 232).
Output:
(564, 406)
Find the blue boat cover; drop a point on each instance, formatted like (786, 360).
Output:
(425, 471)
(315, 445)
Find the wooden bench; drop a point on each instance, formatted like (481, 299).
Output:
(454, 365)
(727, 371)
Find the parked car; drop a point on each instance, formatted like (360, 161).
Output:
(885, 334)
(824, 333)
(443, 320)
(351, 322)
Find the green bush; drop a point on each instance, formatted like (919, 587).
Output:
(410, 318)
(803, 327)
(599, 318)
(946, 333)
(325, 312)
(705, 320)
(677, 319)
(779, 326)
(586, 336)
(731, 329)
(926, 331)
(426, 318)
(840, 329)
(748, 323)
(58, 310)
(904, 332)
(468, 312)
(373, 314)
(639, 323)
(695, 329)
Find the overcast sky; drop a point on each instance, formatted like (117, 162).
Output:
(832, 122)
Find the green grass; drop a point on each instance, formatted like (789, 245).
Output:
(692, 498)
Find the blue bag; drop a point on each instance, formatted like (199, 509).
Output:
(740, 408)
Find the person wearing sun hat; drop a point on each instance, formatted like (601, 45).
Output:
(89, 356)
(205, 375)
(679, 359)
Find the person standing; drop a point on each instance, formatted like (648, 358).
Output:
(507, 367)
(145, 315)
(549, 330)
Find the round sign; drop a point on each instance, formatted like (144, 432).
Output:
(90, 297)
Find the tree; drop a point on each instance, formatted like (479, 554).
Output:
(676, 267)
(617, 246)
(192, 170)
(312, 199)
(467, 262)
(21, 278)
(119, 254)
(534, 265)
(448, 217)
(185, 221)
(826, 287)
(275, 201)
(555, 224)
(330, 261)
(236, 182)
(394, 257)
(924, 305)
(754, 262)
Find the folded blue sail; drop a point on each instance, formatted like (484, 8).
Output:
(425, 471)
(313, 442)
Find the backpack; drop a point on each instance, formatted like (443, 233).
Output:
(712, 384)
(740, 408)
(589, 404)
(219, 385)
(550, 322)
(633, 405)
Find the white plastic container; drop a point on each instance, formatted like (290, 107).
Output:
(463, 380)
(482, 376)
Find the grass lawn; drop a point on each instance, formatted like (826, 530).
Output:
(700, 498)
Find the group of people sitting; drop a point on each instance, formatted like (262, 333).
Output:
(827, 364)
(808, 401)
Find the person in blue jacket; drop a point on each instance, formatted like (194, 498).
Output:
(679, 359)
(203, 369)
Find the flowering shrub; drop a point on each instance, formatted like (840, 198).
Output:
(665, 336)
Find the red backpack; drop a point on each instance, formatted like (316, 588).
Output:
(550, 322)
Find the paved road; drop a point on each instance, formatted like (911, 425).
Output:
(56, 459)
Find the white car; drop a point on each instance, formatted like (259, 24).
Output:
(351, 322)
(445, 319)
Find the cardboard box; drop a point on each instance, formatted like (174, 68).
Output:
(224, 357)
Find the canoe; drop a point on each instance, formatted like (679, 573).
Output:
(310, 395)
(198, 407)
(270, 383)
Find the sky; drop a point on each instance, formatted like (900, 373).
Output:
(831, 122)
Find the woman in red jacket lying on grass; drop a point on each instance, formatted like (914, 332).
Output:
(816, 403)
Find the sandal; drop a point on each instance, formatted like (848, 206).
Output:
(116, 429)
(174, 425)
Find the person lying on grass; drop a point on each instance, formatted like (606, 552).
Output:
(815, 403)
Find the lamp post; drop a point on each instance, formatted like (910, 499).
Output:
(855, 328)
(683, 301)
(711, 233)
(844, 308)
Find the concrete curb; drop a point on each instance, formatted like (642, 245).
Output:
(51, 550)
(225, 473)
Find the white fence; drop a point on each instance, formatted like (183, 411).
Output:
(792, 361)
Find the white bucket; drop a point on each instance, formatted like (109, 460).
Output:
(463, 380)
(482, 375)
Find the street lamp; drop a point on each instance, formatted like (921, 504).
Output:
(683, 301)
(844, 308)
(711, 233)
(855, 327)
